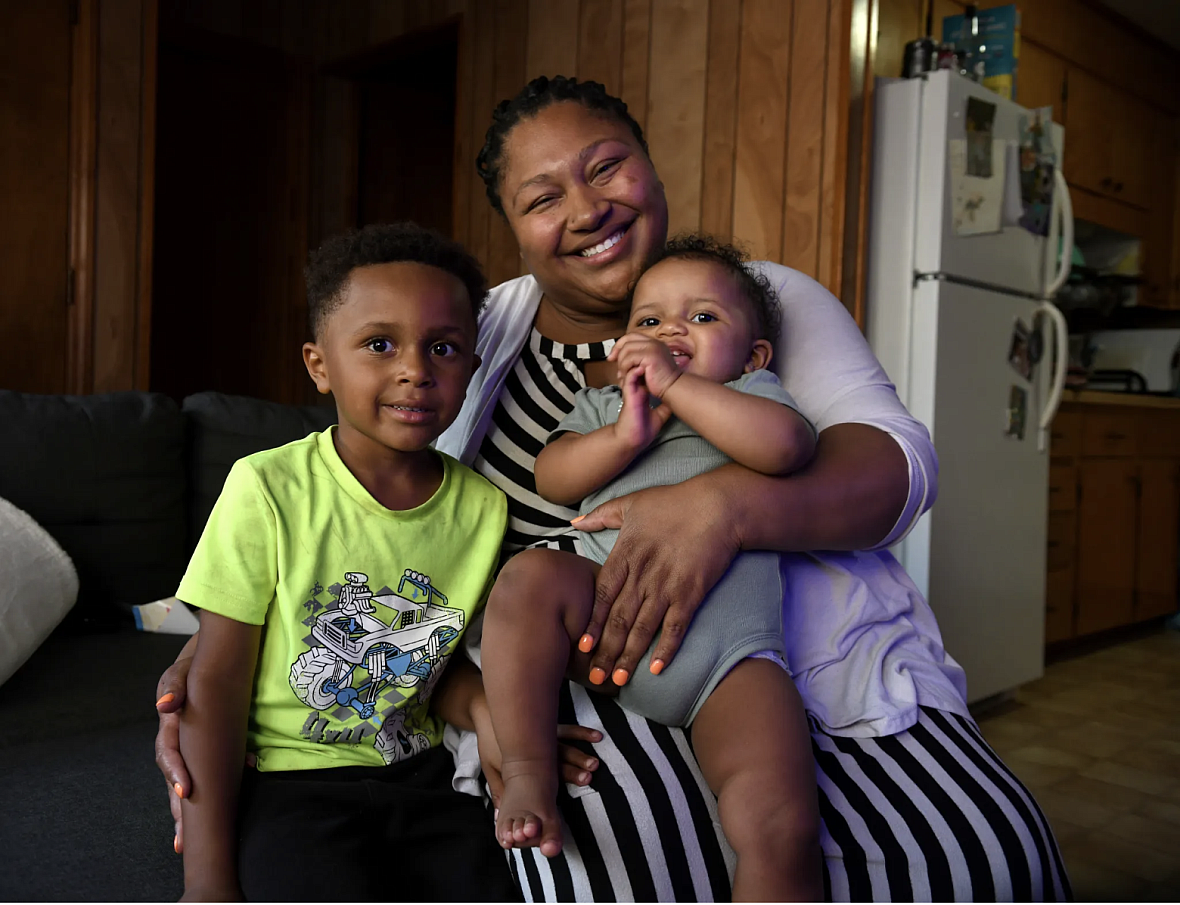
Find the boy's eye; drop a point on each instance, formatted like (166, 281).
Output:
(444, 350)
(379, 344)
(703, 317)
(648, 322)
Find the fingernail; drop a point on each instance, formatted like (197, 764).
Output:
(176, 844)
(620, 677)
(585, 643)
(592, 764)
(178, 789)
(574, 521)
(657, 667)
(583, 778)
(597, 676)
(167, 699)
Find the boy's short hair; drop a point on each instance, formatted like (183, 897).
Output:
(753, 285)
(329, 266)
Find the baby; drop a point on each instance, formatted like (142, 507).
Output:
(694, 394)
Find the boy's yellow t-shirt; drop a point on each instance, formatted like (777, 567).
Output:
(361, 606)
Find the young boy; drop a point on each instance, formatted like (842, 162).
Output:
(336, 575)
(695, 394)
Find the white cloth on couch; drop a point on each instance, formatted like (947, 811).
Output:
(38, 586)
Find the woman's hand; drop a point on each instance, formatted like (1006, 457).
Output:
(674, 544)
(170, 697)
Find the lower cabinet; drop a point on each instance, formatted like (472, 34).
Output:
(1114, 518)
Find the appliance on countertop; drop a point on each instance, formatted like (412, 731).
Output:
(1152, 354)
(965, 329)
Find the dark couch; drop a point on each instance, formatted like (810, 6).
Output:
(124, 482)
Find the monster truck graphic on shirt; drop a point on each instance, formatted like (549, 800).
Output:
(359, 656)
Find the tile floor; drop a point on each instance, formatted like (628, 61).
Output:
(1097, 740)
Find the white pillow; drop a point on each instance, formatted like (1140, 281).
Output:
(38, 585)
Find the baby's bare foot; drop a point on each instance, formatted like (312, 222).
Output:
(527, 816)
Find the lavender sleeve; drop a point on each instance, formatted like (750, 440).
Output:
(826, 364)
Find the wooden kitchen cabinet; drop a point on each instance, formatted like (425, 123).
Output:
(1107, 522)
(1158, 256)
(1113, 545)
(1159, 536)
(1107, 147)
(1041, 82)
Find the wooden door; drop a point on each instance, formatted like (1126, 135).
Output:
(1041, 81)
(1088, 161)
(34, 193)
(1107, 524)
(1159, 537)
(230, 225)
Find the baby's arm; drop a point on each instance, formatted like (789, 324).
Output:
(761, 434)
(213, 744)
(575, 465)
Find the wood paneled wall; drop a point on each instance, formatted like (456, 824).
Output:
(745, 104)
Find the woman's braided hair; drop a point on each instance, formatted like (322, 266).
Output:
(528, 102)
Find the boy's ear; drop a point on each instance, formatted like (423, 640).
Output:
(760, 355)
(313, 359)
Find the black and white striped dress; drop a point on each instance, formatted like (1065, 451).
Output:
(926, 814)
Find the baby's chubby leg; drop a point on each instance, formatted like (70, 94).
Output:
(754, 748)
(538, 608)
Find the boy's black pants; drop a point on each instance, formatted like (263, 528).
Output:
(396, 833)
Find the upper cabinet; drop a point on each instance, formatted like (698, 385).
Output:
(1108, 141)
(1041, 81)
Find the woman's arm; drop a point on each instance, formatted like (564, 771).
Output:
(874, 473)
(213, 745)
(847, 498)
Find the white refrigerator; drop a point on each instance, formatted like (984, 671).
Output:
(945, 313)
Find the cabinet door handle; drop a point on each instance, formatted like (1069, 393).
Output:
(1111, 435)
(1053, 544)
(1107, 182)
(1118, 186)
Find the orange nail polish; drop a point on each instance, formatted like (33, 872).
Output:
(574, 521)
(597, 676)
(657, 667)
(179, 789)
(620, 677)
(176, 844)
(585, 644)
(167, 699)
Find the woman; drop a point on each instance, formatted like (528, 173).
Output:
(915, 804)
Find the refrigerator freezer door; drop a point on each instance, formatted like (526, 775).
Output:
(979, 554)
(1013, 257)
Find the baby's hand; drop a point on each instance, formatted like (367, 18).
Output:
(650, 357)
(638, 422)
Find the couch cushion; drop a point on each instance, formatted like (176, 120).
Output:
(104, 475)
(223, 429)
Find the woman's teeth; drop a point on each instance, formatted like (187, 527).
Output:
(609, 242)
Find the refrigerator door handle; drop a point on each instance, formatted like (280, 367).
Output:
(1061, 363)
(1065, 250)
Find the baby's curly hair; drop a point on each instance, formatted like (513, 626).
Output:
(531, 100)
(753, 285)
(329, 266)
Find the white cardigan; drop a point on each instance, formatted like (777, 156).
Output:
(862, 643)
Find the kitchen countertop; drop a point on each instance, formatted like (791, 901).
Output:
(1136, 400)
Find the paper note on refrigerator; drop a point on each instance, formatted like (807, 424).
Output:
(976, 201)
